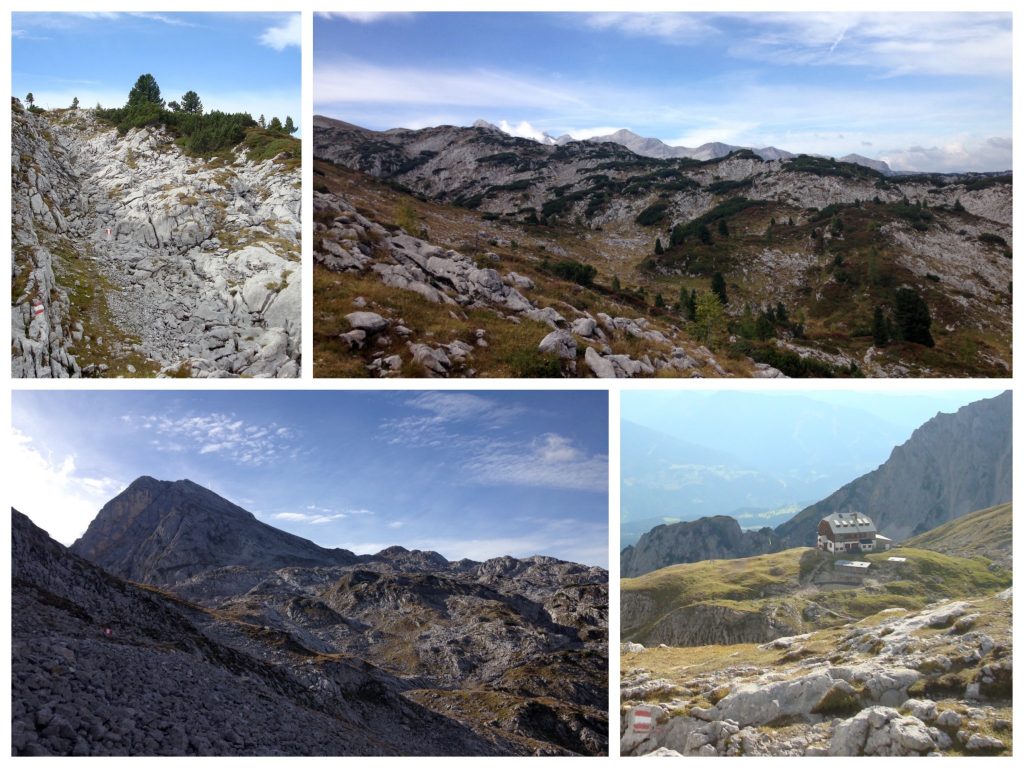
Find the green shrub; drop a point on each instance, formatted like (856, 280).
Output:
(567, 269)
(652, 214)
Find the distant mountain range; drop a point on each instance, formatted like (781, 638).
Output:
(953, 464)
(176, 601)
(650, 147)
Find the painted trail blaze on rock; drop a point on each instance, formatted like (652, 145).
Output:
(642, 720)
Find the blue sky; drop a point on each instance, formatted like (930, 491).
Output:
(924, 92)
(236, 62)
(466, 474)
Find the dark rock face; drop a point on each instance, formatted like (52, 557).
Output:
(709, 538)
(159, 684)
(161, 532)
(507, 656)
(953, 464)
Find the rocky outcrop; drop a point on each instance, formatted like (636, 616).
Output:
(709, 538)
(131, 258)
(948, 237)
(884, 687)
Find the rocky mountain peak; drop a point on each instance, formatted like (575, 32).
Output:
(161, 532)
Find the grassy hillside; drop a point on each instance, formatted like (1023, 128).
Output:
(985, 533)
(802, 583)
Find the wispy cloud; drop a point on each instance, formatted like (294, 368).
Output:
(437, 412)
(170, 19)
(354, 81)
(230, 438)
(288, 33)
(53, 491)
(365, 17)
(672, 28)
(550, 461)
(894, 43)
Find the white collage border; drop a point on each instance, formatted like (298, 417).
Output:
(614, 388)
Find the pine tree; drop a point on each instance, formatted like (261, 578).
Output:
(718, 287)
(30, 99)
(710, 317)
(289, 126)
(913, 318)
(74, 103)
(145, 90)
(880, 328)
(191, 103)
(275, 125)
(616, 285)
(263, 122)
(704, 234)
(659, 301)
(723, 228)
(658, 250)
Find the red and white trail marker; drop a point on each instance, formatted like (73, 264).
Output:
(37, 308)
(108, 232)
(641, 720)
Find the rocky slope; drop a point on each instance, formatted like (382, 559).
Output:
(935, 681)
(390, 303)
(515, 649)
(104, 667)
(829, 240)
(786, 655)
(951, 465)
(131, 258)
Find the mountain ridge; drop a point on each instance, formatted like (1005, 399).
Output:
(807, 248)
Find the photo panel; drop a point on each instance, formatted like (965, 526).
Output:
(310, 573)
(631, 195)
(156, 195)
(816, 572)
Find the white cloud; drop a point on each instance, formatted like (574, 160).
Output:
(443, 410)
(284, 35)
(989, 154)
(52, 491)
(395, 524)
(171, 19)
(522, 129)
(318, 515)
(222, 434)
